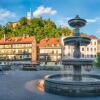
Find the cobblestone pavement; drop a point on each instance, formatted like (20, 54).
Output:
(14, 86)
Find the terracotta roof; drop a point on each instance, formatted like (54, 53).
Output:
(92, 37)
(50, 42)
(9, 40)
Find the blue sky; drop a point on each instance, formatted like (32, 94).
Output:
(60, 11)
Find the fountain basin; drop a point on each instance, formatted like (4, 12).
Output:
(63, 85)
(77, 22)
(83, 41)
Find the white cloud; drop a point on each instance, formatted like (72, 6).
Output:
(44, 10)
(91, 20)
(98, 31)
(4, 13)
(94, 20)
(63, 22)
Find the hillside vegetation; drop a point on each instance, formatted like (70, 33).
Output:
(37, 27)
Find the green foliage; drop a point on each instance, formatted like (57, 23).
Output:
(83, 34)
(37, 27)
(97, 62)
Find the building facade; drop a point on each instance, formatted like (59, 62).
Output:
(89, 51)
(50, 50)
(18, 50)
(98, 50)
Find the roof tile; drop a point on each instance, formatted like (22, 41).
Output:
(50, 42)
(16, 40)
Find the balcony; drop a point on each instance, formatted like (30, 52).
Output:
(16, 59)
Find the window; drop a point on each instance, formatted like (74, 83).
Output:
(52, 52)
(94, 43)
(91, 49)
(88, 56)
(82, 49)
(82, 55)
(68, 54)
(56, 52)
(94, 49)
(20, 57)
(27, 56)
(91, 56)
(20, 51)
(94, 55)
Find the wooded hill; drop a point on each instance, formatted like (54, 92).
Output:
(38, 27)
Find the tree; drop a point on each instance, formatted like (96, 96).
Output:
(97, 62)
(66, 31)
(23, 21)
(2, 31)
(83, 34)
(38, 27)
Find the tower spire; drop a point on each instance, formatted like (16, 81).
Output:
(29, 14)
(30, 10)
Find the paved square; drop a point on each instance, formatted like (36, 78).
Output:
(21, 85)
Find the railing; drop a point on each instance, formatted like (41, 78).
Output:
(6, 59)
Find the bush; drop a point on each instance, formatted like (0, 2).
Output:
(97, 62)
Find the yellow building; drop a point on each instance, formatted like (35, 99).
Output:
(98, 51)
(18, 50)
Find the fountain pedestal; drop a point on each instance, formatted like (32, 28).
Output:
(77, 68)
(77, 73)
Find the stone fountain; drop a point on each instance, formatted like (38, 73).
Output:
(76, 84)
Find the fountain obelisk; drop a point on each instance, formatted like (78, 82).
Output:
(77, 23)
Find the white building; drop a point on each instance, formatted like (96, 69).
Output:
(89, 51)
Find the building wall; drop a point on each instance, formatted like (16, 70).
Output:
(18, 50)
(98, 48)
(34, 52)
(89, 51)
(54, 54)
(50, 50)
